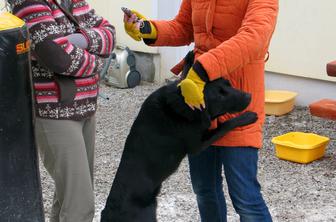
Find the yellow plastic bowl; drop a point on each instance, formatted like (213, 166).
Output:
(279, 102)
(300, 147)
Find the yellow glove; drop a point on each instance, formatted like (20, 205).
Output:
(192, 90)
(139, 29)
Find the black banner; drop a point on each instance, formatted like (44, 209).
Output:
(20, 188)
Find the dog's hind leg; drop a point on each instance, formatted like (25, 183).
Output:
(212, 136)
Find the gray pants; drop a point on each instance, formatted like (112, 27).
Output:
(67, 150)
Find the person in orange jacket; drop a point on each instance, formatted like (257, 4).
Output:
(231, 41)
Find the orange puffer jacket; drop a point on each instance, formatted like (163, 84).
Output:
(231, 41)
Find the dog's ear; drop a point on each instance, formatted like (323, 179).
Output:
(214, 95)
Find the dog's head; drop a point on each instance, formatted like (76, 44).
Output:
(221, 98)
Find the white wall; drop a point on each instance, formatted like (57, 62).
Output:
(303, 43)
(111, 10)
(153, 9)
(170, 56)
(305, 38)
(2, 5)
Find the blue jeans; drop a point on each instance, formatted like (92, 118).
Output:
(240, 169)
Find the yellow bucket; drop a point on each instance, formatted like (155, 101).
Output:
(300, 147)
(279, 102)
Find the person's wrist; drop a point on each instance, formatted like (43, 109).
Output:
(148, 30)
(200, 71)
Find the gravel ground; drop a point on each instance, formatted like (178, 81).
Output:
(294, 192)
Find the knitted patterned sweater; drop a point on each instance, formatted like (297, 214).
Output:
(65, 77)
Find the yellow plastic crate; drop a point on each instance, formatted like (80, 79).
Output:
(279, 102)
(300, 147)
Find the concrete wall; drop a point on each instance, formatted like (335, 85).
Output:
(309, 90)
(302, 44)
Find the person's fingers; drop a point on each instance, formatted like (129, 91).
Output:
(131, 27)
(133, 18)
(125, 18)
(138, 24)
(193, 96)
(128, 26)
(191, 107)
(193, 104)
(196, 105)
(128, 19)
(197, 102)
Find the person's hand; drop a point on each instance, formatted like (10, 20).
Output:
(138, 27)
(192, 88)
(78, 40)
(103, 72)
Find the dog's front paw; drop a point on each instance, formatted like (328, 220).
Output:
(246, 118)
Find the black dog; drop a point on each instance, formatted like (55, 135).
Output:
(165, 130)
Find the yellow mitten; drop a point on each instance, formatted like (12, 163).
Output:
(192, 90)
(139, 29)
